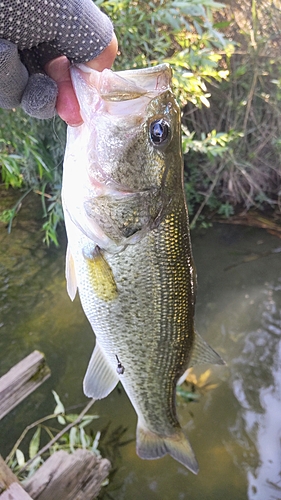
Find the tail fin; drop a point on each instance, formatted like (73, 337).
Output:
(151, 446)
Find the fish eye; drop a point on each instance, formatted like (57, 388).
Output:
(159, 132)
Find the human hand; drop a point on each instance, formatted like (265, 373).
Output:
(40, 32)
(58, 69)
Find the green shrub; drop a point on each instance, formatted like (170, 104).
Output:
(180, 32)
(247, 108)
(31, 155)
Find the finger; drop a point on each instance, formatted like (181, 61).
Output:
(67, 105)
(106, 58)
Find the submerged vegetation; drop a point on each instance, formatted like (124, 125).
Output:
(43, 438)
(226, 62)
(72, 436)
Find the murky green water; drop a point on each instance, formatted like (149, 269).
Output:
(235, 429)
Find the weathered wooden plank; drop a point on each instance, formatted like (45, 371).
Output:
(15, 492)
(10, 489)
(6, 476)
(21, 380)
(64, 476)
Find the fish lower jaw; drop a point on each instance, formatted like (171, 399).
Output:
(106, 186)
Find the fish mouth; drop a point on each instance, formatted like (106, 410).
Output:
(128, 84)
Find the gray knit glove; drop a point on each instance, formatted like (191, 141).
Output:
(36, 31)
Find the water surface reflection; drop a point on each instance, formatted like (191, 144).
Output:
(234, 429)
(257, 387)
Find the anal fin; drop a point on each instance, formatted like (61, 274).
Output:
(100, 378)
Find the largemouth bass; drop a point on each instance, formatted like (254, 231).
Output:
(129, 250)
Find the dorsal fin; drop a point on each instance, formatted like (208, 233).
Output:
(202, 353)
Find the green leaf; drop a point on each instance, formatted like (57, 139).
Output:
(73, 435)
(7, 215)
(35, 464)
(85, 440)
(96, 442)
(221, 25)
(20, 457)
(35, 443)
(187, 395)
(59, 408)
(204, 100)
(71, 417)
(61, 420)
(87, 420)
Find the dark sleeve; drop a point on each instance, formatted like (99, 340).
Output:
(75, 28)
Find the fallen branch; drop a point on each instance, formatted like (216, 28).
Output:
(58, 436)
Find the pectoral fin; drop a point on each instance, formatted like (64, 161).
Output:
(100, 378)
(100, 274)
(202, 353)
(71, 283)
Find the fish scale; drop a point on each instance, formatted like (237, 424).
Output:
(129, 250)
(160, 339)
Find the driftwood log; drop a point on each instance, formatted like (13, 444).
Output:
(21, 380)
(64, 476)
(10, 489)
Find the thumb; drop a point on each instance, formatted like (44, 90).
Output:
(58, 69)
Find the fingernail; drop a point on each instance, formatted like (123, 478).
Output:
(75, 124)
